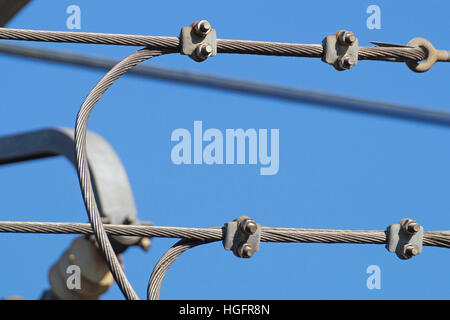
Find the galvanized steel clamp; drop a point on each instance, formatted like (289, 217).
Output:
(198, 41)
(340, 50)
(242, 236)
(405, 238)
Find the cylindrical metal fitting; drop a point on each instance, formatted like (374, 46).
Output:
(203, 51)
(249, 226)
(347, 38)
(202, 27)
(410, 251)
(246, 251)
(145, 243)
(346, 62)
(410, 226)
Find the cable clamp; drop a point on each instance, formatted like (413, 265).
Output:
(405, 238)
(198, 41)
(242, 236)
(340, 50)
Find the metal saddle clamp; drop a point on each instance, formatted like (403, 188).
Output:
(405, 238)
(242, 236)
(198, 41)
(340, 50)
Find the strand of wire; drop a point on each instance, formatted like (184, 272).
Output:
(163, 265)
(276, 234)
(160, 45)
(83, 169)
(398, 54)
(268, 234)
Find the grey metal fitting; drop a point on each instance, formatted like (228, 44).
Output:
(203, 51)
(202, 27)
(198, 41)
(346, 38)
(405, 238)
(248, 226)
(410, 251)
(246, 251)
(346, 62)
(410, 226)
(340, 50)
(242, 236)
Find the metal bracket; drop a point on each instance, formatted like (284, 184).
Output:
(340, 50)
(198, 41)
(242, 236)
(110, 181)
(405, 238)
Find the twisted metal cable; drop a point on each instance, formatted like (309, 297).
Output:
(161, 45)
(152, 42)
(83, 168)
(268, 234)
(223, 45)
(163, 265)
(192, 237)
(113, 230)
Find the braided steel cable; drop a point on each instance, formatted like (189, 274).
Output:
(192, 237)
(83, 168)
(156, 46)
(113, 230)
(153, 42)
(223, 45)
(163, 265)
(268, 234)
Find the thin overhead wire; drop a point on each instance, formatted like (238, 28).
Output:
(422, 115)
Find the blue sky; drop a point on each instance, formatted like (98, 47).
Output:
(337, 169)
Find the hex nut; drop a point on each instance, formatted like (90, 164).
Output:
(410, 251)
(202, 27)
(248, 226)
(246, 251)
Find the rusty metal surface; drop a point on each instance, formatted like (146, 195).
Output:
(198, 41)
(432, 55)
(242, 236)
(405, 238)
(341, 50)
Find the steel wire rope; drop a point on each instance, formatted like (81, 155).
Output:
(82, 164)
(163, 265)
(156, 46)
(268, 234)
(399, 54)
(433, 238)
(192, 237)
